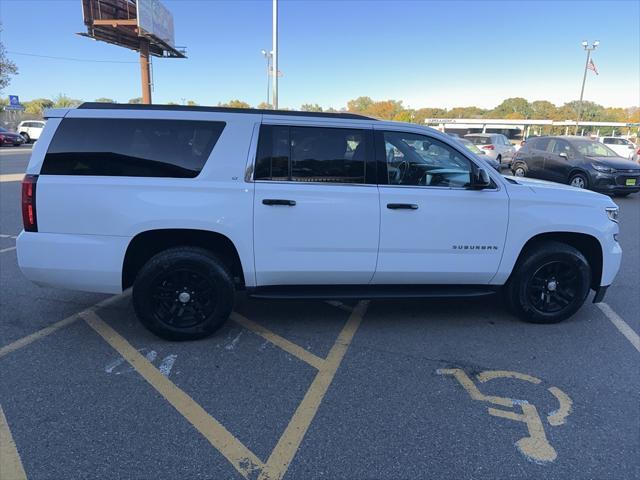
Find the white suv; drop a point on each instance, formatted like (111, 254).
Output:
(191, 204)
(31, 129)
(623, 147)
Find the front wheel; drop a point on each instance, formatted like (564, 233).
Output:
(578, 180)
(549, 284)
(183, 293)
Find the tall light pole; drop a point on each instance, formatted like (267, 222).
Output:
(274, 52)
(268, 56)
(588, 48)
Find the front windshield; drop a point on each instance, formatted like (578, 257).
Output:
(593, 149)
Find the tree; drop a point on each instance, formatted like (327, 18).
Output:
(404, 116)
(35, 107)
(466, 112)
(7, 67)
(423, 114)
(265, 106)
(310, 107)
(591, 111)
(235, 104)
(386, 109)
(517, 107)
(63, 101)
(359, 105)
(191, 103)
(105, 100)
(136, 100)
(543, 110)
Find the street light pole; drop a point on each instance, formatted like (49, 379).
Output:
(588, 49)
(268, 56)
(274, 52)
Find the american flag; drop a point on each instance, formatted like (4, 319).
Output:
(592, 66)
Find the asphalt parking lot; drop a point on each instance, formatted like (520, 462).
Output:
(310, 389)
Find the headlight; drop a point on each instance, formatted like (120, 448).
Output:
(602, 168)
(612, 213)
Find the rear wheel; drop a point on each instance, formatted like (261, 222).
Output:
(578, 180)
(549, 284)
(520, 170)
(183, 293)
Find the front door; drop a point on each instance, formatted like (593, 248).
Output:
(434, 230)
(316, 216)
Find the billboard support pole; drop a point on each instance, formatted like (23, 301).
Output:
(144, 71)
(274, 63)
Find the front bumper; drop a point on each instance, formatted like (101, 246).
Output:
(618, 182)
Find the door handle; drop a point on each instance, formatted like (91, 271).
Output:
(278, 201)
(401, 206)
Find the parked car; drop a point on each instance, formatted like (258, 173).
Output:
(31, 129)
(189, 205)
(10, 138)
(469, 145)
(495, 145)
(578, 161)
(623, 147)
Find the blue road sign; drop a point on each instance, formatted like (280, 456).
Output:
(14, 101)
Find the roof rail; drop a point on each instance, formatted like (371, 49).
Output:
(186, 108)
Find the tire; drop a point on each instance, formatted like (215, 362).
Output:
(549, 284)
(183, 293)
(579, 180)
(519, 170)
(27, 138)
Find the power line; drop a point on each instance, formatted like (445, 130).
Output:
(68, 58)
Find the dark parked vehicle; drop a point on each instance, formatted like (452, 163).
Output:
(10, 138)
(579, 162)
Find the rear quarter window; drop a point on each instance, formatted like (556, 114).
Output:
(131, 147)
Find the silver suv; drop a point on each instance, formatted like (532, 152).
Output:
(495, 145)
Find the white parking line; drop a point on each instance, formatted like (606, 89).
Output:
(620, 324)
(4, 235)
(8, 249)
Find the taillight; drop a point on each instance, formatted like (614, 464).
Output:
(488, 147)
(29, 218)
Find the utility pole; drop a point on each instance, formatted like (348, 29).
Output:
(145, 71)
(274, 52)
(588, 49)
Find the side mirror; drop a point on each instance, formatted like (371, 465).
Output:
(563, 155)
(479, 179)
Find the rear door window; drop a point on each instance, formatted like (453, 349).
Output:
(131, 147)
(313, 154)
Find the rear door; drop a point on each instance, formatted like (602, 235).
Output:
(434, 230)
(558, 158)
(535, 157)
(316, 208)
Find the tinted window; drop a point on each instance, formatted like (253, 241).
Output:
(419, 160)
(131, 147)
(609, 141)
(538, 143)
(312, 154)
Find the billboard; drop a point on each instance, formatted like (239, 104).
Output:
(125, 22)
(155, 20)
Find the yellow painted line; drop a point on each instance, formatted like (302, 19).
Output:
(286, 345)
(10, 464)
(289, 442)
(12, 177)
(558, 417)
(535, 446)
(620, 324)
(24, 341)
(243, 459)
(493, 374)
(471, 388)
(7, 249)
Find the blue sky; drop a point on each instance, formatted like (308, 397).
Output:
(425, 53)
